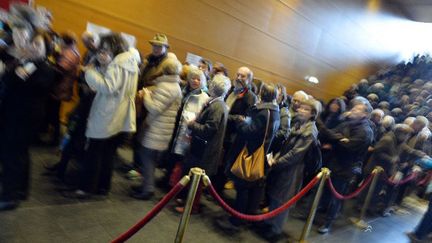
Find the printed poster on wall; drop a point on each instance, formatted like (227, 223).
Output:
(100, 30)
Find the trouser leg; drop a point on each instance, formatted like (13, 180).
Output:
(341, 185)
(91, 165)
(148, 162)
(425, 226)
(107, 164)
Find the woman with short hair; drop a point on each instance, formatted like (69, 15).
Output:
(207, 134)
(162, 102)
(194, 99)
(287, 168)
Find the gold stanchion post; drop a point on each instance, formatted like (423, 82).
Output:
(359, 222)
(197, 173)
(324, 174)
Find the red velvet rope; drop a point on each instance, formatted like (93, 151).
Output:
(268, 215)
(150, 215)
(426, 179)
(352, 195)
(409, 178)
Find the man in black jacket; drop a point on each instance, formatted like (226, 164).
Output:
(239, 101)
(350, 141)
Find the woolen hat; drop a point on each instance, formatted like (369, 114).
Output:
(159, 40)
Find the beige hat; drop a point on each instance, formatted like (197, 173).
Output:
(159, 40)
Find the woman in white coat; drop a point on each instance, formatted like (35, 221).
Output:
(112, 113)
(162, 103)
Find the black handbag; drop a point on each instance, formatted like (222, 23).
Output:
(198, 146)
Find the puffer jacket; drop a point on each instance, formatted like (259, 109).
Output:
(193, 102)
(162, 105)
(113, 109)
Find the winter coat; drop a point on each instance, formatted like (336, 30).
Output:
(384, 154)
(207, 134)
(348, 157)
(331, 120)
(387, 150)
(192, 104)
(113, 108)
(67, 65)
(150, 70)
(162, 105)
(283, 130)
(239, 109)
(23, 108)
(251, 132)
(286, 175)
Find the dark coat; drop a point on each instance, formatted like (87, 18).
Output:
(332, 120)
(251, 133)
(283, 130)
(238, 110)
(23, 107)
(67, 67)
(348, 157)
(286, 176)
(386, 151)
(207, 137)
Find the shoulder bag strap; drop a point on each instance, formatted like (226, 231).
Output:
(267, 126)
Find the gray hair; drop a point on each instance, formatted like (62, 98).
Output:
(194, 71)
(388, 122)
(250, 74)
(402, 129)
(171, 66)
(378, 112)
(220, 85)
(373, 97)
(360, 100)
(302, 93)
(423, 120)
(409, 120)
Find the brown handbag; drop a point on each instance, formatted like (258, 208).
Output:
(250, 167)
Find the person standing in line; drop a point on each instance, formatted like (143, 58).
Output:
(162, 104)
(28, 86)
(111, 115)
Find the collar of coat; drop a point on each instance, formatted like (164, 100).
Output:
(168, 79)
(267, 105)
(127, 61)
(309, 128)
(187, 92)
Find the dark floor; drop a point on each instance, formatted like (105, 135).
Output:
(48, 217)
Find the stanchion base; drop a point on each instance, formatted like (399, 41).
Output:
(360, 223)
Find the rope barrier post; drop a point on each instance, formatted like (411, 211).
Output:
(324, 174)
(197, 173)
(360, 221)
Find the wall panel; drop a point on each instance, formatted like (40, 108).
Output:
(281, 40)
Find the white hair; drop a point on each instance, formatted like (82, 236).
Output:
(301, 93)
(219, 86)
(194, 71)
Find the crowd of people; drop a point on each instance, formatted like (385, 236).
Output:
(179, 116)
